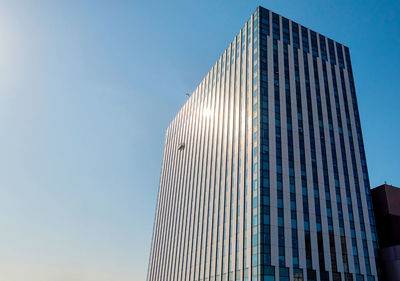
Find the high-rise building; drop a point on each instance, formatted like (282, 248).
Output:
(264, 174)
(386, 200)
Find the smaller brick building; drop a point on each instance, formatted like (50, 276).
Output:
(386, 201)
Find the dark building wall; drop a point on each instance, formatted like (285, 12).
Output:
(386, 200)
(390, 260)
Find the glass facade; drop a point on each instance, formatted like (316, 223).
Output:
(264, 174)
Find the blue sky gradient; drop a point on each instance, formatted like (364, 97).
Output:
(87, 89)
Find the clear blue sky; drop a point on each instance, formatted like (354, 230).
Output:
(87, 89)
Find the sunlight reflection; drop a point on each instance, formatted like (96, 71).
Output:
(207, 113)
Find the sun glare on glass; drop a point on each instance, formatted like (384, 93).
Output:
(207, 113)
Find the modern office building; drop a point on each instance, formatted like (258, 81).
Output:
(386, 201)
(264, 174)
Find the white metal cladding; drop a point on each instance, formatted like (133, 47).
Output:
(211, 217)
